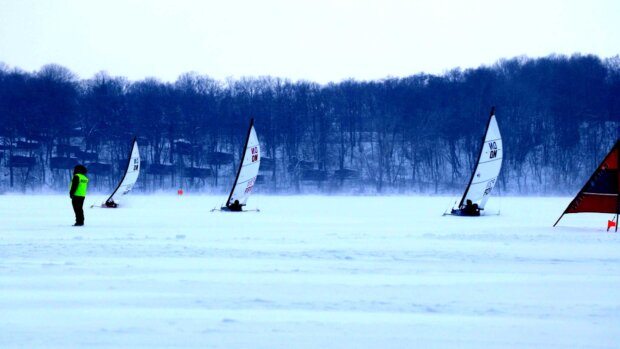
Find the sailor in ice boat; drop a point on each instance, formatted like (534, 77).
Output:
(111, 204)
(235, 207)
(469, 209)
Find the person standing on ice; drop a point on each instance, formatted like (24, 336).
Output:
(79, 183)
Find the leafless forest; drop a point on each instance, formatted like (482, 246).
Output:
(420, 134)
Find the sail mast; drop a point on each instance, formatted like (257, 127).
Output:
(126, 169)
(245, 149)
(479, 156)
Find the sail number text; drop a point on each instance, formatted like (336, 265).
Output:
(250, 185)
(254, 151)
(492, 150)
(490, 185)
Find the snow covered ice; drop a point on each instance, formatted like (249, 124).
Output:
(305, 272)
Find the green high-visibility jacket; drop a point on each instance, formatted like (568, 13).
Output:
(82, 185)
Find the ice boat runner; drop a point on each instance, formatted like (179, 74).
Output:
(246, 175)
(485, 173)
(601, 193)
(129, 177)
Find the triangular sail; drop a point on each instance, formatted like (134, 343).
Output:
(601, 193)
(248, 169)
(129, 177)
(487, 168)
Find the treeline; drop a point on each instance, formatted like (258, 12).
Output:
(558, 116)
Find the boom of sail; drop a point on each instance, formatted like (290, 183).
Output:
(129, 177)
(484, 176)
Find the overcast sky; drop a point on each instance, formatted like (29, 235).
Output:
(318, 40)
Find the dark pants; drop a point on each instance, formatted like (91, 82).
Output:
(78, 204)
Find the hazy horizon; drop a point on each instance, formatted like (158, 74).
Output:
(443, 73)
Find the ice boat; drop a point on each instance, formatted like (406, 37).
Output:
(130, 177)
(486, 171)
(246, 174)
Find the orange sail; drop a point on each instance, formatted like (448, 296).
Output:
(601, 191)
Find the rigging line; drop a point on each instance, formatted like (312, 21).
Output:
(445, 212)
(484, 162)
(247, 180)
(251, 163)
(484, 181)
(499, 194)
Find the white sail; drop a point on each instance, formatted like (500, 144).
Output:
(248, 169)
(487, 169)
(129, 178)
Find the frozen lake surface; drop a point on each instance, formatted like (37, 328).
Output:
(306, 272)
